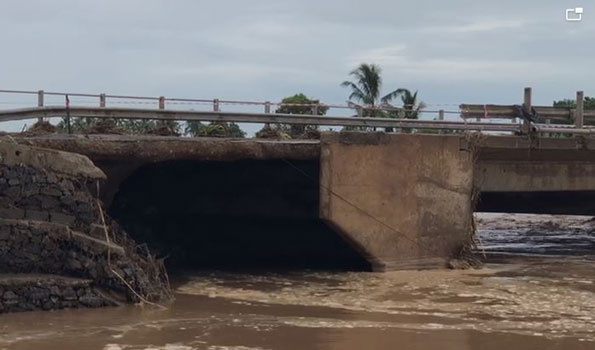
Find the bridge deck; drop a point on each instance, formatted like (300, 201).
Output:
(157, 148)
(162, 148)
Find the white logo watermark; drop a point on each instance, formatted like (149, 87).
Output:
(575, 14)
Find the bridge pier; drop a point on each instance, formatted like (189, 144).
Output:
(404, 201)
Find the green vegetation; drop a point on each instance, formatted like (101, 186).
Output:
(411, 106)
(365, 90)
(81, 125)
(309, 106)
(138, 126)
(150, 127)
(365, 86)
(296, 104)
(214, 129)
(78, 125)
(588, 103)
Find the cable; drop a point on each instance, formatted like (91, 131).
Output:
(222, 102)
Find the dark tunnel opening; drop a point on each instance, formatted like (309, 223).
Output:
(245, 214)
(552, 202)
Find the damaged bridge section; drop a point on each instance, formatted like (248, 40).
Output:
(392, 200)
(54, 250)
(357, 200)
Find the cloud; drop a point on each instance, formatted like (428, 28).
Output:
(396, 59)
(453, 52)
(486, 25)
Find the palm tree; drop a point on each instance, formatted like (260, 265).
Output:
(366, 87)
(410, 104)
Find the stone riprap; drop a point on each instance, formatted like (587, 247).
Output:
(49, 292)
(51, 224)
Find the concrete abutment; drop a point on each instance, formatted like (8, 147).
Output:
(405, 201)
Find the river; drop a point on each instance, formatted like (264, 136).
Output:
(535, 292)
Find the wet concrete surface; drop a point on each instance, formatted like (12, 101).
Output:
(540, 298)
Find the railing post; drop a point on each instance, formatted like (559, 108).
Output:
(527, 106)
(216, 105)
(102, 100)
(161, 102)
(40, 96)
(315, 109)
(267, 110)
(441, 114)
(578, 114)
(68, 123)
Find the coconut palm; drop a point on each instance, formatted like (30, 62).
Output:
(366, 90)
(411, 106)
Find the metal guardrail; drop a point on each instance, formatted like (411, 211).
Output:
(510, 112)
(218, 116)
(216, 103)
(577, 116)
(480, 114)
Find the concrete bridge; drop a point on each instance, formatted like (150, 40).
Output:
(374, 199)
(383, 200)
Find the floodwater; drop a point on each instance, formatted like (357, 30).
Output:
(537, 293)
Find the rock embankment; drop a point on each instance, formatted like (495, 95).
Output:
(22, 292)
(55, 250)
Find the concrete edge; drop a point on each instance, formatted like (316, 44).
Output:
(12, 154)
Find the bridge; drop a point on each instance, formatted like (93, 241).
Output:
(397, 200)
(469, 117)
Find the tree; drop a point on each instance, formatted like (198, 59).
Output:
(137, 126)
(411, 106)
(166, 128)
(78, 125)
(84, 125)
(588, 103)
(214, 129)
(195, 128)
(300, 104)
(366, 90)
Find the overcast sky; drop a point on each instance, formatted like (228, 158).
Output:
(451, 51)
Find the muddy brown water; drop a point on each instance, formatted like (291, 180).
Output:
(538, 295)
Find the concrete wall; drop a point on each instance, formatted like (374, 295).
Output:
(120, 156)
(535, 176)
(505, 163)
(522, 164)
(403, 200)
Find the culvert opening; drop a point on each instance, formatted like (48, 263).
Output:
(546, 202)
(536, 224)
(233, 215)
